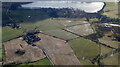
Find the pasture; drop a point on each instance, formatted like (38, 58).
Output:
(38, 20)
(111, 9)
(111, 60)
(85, 48)
(9, 33)
(44, 61)
(24, 15)
(84, 29)
(41, 62)
(104, 50)
(53, 27)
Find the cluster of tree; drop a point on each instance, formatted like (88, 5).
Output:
(95, 36)
(30, 38)
(102, 18)
(14, 25)
(116, 31)
(63, 12)
(105, 19)
(103, 28)
(71, 13)
(20, 52)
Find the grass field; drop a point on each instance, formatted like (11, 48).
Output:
(41, 62)
(22, 15)
(9, 33)
(84, 48)
(105, 50)
(44, 61)
(111, 60)
(111, 9)
(51, 26)
(84, 29)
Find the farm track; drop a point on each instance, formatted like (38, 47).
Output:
(45, 54)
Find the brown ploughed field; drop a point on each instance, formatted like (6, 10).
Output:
(59, 52)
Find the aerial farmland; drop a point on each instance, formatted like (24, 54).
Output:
(37, 34)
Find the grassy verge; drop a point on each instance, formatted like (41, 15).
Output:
(9, 33)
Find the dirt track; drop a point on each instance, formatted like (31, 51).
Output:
(59, 52)
(31, 53)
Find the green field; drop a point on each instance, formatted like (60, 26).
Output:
(111, 9)
(44, 61)
(105, 50)
(49, 27)
(111, 60)
(41, 62)
(9, 33)
(85, 48)
(52, 27)
(42, 22)
(22, 15)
